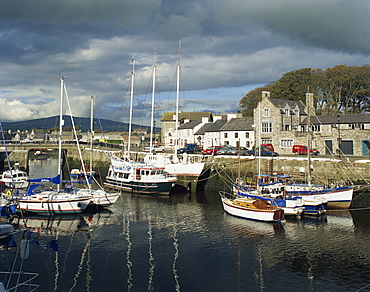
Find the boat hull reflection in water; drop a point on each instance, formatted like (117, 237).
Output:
(182, 243)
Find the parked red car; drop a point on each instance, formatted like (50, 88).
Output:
(211, 150)
(268, 147)
(302, 150)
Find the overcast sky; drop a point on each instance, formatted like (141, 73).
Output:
(227, 48)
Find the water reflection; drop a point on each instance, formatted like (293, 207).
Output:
(188, 243)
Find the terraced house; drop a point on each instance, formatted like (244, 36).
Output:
(283, 123)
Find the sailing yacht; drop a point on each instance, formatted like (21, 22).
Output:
(134, 176)
(272, 192)
(170, 162)
(62, 201)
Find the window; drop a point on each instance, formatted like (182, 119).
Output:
(225, 135)
(236, 135)
(287, 112)
(247, 135)
(266, 127)
(286, 143)
(226, 142)
(351, 126)
(266, 112)
(248, 144)
(286, 127)
(266, 141)
(362, 126)
(315, 128)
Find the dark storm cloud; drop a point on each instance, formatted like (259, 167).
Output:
(226, 46)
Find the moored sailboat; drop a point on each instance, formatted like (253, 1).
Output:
(138, 177)
(273, 193)
(59, 201)
(249, 208)
(339, 197)
(183, 168)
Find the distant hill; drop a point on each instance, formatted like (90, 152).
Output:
(82, 123)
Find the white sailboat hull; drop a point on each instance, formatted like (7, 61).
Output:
(48, 203)
(185, 169)
(178, 168)
(337, 198)
(98, 197)
(253, 214)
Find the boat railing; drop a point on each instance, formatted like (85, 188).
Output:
(226, 195)
(13, 283)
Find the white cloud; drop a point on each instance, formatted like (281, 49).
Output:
(225, 45)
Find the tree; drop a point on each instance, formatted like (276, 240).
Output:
(295, 84)
(249, 102)
(340, 89)
(346, 90)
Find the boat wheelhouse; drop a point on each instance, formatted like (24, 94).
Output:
(140, 178)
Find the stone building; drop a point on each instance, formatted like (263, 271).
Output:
(280, 122)
(284, 123)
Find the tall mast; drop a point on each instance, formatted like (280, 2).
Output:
(259, 144)
(177, 97)
(61, 123)
(131, 101)
(153, 94)
(91, 129)
(309, 99)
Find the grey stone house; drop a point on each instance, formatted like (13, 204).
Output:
(284, 123)
(280, 122)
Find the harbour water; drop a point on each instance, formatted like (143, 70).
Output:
(183, 243)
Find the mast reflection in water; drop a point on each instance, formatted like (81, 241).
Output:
(190, 244)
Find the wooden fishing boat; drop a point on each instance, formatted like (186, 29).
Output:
(253, 209)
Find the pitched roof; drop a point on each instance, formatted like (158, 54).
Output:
(239, 124)
(343, 119)
(189, 125)
(216, 126)
(192, 116)
(279, 103)
(202, 129)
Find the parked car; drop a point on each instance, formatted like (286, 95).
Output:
(224, 150)
(189, 148)
(155, 148)
(302, 150)
(263, 153)
(235, 151)
(211, 150)
(268, 147)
